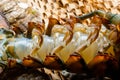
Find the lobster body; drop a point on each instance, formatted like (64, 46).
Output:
(60, 48)
(28, 53)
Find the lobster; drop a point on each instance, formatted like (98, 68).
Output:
(60, 47)
(111, 22)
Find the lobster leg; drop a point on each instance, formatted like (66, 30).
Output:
(112, 18)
